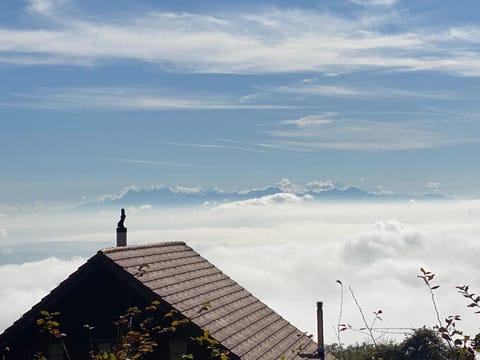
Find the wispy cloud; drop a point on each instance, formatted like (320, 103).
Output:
(224, 144)
(128, 99)
(374, 2)
(310, 120)
(321, 90)
(331, 132)
(158, 163)
(43, 7)
(154, 99)
(285, 146)
(266, 42)
(313, 88)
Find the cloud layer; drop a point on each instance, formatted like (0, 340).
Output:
(384, 240)
(23, 285)
(288, 253)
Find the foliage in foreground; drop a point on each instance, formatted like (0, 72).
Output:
(423, 344)
(139, 333)
(444, 341)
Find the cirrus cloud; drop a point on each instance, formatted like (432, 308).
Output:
(277, 40)
(329, 131)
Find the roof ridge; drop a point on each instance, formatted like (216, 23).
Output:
(141, 246)
(179, 284)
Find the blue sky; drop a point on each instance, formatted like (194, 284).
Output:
(98, 96)
(380, 94)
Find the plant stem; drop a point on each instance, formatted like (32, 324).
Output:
(340, 313)
(66, 351)
(364, 319)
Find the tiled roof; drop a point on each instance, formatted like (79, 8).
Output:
(241, 322)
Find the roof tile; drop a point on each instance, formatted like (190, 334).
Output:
(184, 279)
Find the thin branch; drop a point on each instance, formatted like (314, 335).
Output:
(364, 319)
(66, 351)
(427, 277)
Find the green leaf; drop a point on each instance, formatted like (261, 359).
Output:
(44, 313)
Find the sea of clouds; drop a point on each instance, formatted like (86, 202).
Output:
(289, 252)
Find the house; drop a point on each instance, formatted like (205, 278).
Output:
(174, 277)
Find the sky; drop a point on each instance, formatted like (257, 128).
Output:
(379, 94)
(100, 97)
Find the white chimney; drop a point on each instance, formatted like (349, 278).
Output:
(122, 230)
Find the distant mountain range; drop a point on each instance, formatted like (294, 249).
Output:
(165, 196)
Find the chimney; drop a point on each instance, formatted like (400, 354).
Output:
(320, 341)
(122, 230)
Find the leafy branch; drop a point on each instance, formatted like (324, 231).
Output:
(140, 330)
(427, 278)
(48, 324)
(475, 300)
(463, 345)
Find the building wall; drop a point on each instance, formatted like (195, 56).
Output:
(97, 299)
